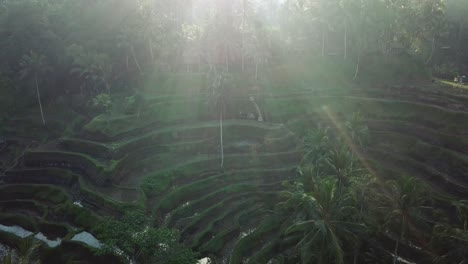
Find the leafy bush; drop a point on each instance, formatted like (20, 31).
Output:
(134, 104)
(142, 243)
(157, 183)
(103, 102)
(445, 70)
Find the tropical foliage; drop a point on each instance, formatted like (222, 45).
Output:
(110, 53)
(136, 241)
(337, 207)
(95, 52)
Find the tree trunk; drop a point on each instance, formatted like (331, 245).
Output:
(432, 51)
(108, 117)
(395, 253)
(227, 58)
(356, 73)
(256, 70)
(221, 137)
(345, 40)
(39, 100)
(243, 59)
(402, 233)
(260, 117)
(323, 43)
(107, 86)
(459, 46)
(150, 46)
(243, 37)
(136, 60)
(199, 63)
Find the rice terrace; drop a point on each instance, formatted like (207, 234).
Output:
(233, 131)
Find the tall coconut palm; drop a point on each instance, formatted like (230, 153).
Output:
(323, 222)
(257, 108)
(217, 97)
(34, 65)
(404, 205)
(124, 41)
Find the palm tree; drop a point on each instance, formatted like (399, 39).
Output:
(452, 241)
(362, 189)
(316, 143)
(34, 65)
(217, 98)
(8, 259)
(257, 108)
(323, 221)
(341, 163)
(124, 41)
(357, 129)
(26, 253)
(462, 212)
(92, 67)
(404, 204)
(103, 101)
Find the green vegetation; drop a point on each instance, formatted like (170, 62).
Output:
(156, 184)
(139, 242)
(246, 131)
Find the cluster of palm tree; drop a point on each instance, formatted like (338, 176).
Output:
(26, 252)
(338, 212)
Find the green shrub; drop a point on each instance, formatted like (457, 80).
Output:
(157, 183)
(135, 236)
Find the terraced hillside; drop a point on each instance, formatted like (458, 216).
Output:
(169, 163)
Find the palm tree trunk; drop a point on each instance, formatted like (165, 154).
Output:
(107, 86)
(432, 50)
(256, 70)
(199, 63)
(345, 40)
(356, 73)
(402, 232)
(227, 58)
(39, 99)
(150, 46)
(108, 117)
(260, 117)
(323, 43)
(135, 59)
(243, 58)
(459, 45)
(221, 137)
(243, 37)
(395, 253)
